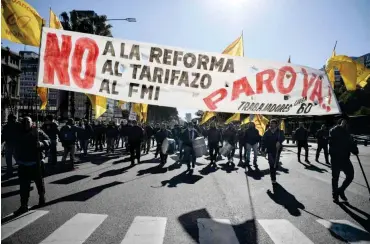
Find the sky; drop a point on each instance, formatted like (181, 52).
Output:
(272, 30)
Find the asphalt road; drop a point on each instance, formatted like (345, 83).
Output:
(107, 201)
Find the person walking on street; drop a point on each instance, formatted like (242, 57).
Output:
(9, 136)
(68, 137)
(51, 129)
(252, 137)
(322, 137)
(214, 138)
(341, 145)
(187, 137)
(272, 142)
(301, 136)
(135, 138)
(162, 134)
(31, 143)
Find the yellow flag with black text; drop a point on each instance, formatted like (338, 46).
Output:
(20, 22)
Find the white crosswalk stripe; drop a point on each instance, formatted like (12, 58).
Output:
(281, 231)
(14, 225)
(76, 230)
(146, 230)
(152, 230)
(216, 231)
(347, 230)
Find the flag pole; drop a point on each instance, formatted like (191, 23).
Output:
(335, 45)
(243, 42)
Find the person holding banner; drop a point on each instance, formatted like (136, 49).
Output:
(272, 142)
(187, 137)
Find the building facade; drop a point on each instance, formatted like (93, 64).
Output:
(30, 101)
(10, 82)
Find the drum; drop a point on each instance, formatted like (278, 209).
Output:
(168, 146)
(199, 146)
(225, 150)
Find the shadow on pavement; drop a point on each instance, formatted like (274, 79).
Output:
(157, 169)
(185, 177)
(313, 168)
(351, 211)
(245, 232)
(228, 168)
(208, 169)
(12, 193)
(257, 174)
(69, 180)
(114, 172)
(84, 195)
(285, 199)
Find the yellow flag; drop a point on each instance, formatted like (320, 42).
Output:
(136, 107)
(347, 68)
(282, 125)
(120, 103)
(330, 72)
(20, 22)
(236, 48)
(246, 120)
(207, 116)
(43, 94)
(234, 117)
(363, 74)
(99, 104)
(54, 21)
(261, 122)
(144, 112)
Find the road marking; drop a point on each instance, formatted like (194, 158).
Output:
(281, 231)
(347, 230)
(76, 230)
(146, 230)
(216, 231)
(14, 225)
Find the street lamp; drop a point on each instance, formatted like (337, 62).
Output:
(126, 19)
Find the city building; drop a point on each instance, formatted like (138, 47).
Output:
(29, 100)
(10, 73)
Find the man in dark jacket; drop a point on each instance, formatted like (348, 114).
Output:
(176, 132)
(214, 138)
(9, 135)
(149, 132)
(272, 142)
(162, 134)
(99, 131)
(68, 137)
(242, 143)
(187, 137)
(341, 146)
(135, 138)
(111, 135)
(322, 137)
(301, 136)
(230, 137)
(51, 129)
(31, 143)
(252, 137)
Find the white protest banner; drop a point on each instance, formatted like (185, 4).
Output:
(161, 75)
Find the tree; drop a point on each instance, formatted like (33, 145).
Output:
(85, 22)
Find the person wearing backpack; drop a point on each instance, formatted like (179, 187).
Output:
(68, 134)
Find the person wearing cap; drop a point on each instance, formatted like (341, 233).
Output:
(341, 145)
(9, 136)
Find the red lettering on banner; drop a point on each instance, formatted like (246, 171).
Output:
(82, 45)
(267, 82)
(56, 59)
(307, 84)
(280, 79)
(211, 104)
(240, 86)
(317, 91)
